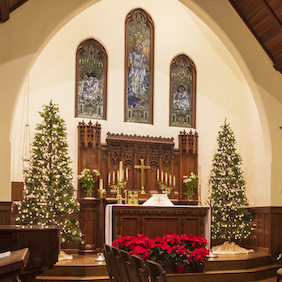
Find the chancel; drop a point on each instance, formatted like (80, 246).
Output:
(147, 92)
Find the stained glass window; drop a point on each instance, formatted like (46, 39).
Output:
(182, 92)
(91, 80)
(139, 58)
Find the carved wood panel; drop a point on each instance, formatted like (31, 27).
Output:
(158, 221)
(157, 152)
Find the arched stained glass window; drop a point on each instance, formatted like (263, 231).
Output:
(139, 61)
(182, 92)
(91, 80)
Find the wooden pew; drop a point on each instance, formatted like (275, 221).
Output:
(12, 265)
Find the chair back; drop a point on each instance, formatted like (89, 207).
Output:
(141, 268)
(130, 267)
(112, 268)
(121, 264)
(156, 271)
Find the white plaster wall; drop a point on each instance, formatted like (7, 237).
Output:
(221, 90)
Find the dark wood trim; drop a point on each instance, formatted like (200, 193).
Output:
(7, 213)
(4, 10)
(267, 231)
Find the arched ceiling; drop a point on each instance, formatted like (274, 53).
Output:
(263, 18)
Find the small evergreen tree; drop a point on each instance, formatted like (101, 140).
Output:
(230, 217)
(49, 190)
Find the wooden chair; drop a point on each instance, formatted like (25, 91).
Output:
(130, 266)
(121, 264)
(141, 268)
(112, 268)
(279, 274)
(156, 271)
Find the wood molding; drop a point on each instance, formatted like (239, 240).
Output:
(4, 10)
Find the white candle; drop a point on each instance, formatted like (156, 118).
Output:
(166, 177)
(122, 175)
(109, 178)
(162, 176)
(101, 184)
(114, 177)
(174, 180)
(126, 173)
(158, 174)
(120, 171)
(118, 175)
(170, 179)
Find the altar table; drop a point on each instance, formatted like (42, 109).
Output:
(153, 221)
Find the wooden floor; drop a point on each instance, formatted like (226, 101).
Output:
(220, 269)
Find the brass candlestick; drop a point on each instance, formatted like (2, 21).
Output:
(119, 186)
(167, 188)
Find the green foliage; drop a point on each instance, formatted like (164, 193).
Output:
(49, 191)
(230, 217)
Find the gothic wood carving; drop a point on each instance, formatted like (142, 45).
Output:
(157, 152)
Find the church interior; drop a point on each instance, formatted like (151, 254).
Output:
(234, 49)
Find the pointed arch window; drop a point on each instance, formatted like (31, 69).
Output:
(182, 92)
(91, 80)
(139, 62)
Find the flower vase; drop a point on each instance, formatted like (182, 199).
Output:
(179, 268)
(189, 194)
(89, 192)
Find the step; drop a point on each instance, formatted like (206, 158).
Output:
(253, 274)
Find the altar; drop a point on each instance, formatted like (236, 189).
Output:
(153, 221)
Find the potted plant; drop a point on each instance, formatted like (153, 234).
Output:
(180, 257)
(191, 183)
(88, 178)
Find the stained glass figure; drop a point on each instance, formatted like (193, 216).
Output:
(139, 37)
(183, 92)
(91, 80)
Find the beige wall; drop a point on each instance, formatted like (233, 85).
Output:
(226, 80)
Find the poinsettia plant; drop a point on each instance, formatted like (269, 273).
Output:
(88, 177)
(168, 249)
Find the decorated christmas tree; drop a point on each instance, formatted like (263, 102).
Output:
(230, 217)
(49, 191)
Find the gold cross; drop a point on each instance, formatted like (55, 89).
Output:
(142, 167)
(159, 200)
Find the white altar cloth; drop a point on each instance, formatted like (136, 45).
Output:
(109, 223)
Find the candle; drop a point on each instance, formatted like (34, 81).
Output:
(126, 173)
(162, 176)
(170, 179)
(118, 175)
(166, 177)
(122, 175)
(199, 175)
(101, 184)
(174, 180)
(109, 178)
(158, 174)
(120, 171)
(114, 177)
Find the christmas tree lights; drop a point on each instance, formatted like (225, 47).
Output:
(49, 191)
(230, 217)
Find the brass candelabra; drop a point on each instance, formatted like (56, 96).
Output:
(119, 186)
(166, 187)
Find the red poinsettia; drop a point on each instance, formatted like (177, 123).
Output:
(170, 248)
